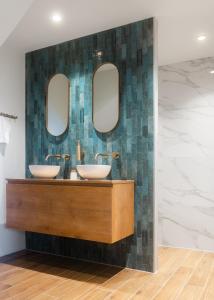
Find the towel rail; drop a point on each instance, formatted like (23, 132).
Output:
(8, 116)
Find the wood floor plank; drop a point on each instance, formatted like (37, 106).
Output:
(208, 293)
(105, 279)
(44, 297)
(128, 287)
(37, 288)
(141, 279)
(109, 279)
(78, 279)
(69, 284)
(183, 275)
(194, 288)
(97, 294)
(200, 275)
(4, 286)
(25, 274)
(94, 282)
(32, 277)
(19, 264)
(116, 281)
(164, 254)
(193, 259)
(174, 285)
(78, 292)
(191, 292)
(29, 288)
(6, 268)
(150, 288)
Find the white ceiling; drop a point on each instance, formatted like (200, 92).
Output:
(179, 23)
(11, 12)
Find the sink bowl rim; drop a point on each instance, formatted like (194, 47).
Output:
(44, 171)
(44, 166)
(96, 172)
(93, 165)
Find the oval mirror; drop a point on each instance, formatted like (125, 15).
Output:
(57, 106)
(106, 98)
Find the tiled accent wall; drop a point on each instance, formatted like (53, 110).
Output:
(130, 48)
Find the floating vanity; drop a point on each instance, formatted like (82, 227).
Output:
(101, 211)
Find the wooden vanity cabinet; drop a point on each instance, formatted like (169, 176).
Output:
(101, 211)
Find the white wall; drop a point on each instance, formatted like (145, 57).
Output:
(186, 155)
(11, 12)
(12, 157)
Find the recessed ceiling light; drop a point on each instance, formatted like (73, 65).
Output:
(201, 37)
(56, 18)
(212, 72)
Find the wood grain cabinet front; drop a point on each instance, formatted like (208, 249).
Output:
(101, 211)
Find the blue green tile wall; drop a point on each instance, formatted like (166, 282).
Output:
(130, 48)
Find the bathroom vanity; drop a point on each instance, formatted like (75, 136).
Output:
(101, 211)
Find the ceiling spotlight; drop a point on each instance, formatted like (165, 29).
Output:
(201, 37)
(56, 18)
(212, 72)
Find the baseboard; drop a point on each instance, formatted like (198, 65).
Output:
(185, 248)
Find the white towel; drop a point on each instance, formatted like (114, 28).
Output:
(5, 126)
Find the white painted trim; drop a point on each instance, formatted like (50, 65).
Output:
(193, 249)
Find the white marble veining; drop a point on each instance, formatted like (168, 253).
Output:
(186, 155)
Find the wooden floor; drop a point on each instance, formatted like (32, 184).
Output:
(183, 274)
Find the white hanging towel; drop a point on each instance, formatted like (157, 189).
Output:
(5, 126)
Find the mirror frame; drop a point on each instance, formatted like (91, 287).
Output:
(46, 105)
(99, 66)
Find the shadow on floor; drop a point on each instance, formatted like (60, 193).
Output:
(64, 267)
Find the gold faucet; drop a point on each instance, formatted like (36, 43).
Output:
(58, 156)
(114, 155)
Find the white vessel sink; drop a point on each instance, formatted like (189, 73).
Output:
(44, 171)
(93, 171)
